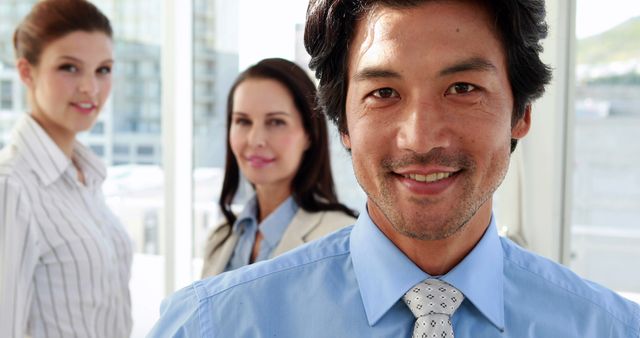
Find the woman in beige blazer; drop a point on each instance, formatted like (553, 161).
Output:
(278, 140)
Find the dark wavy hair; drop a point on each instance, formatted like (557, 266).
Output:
(50, 20)
(312, 186)
(520, 24)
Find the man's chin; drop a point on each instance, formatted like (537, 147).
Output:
(428, 231)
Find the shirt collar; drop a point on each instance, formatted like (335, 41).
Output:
(248, 214)
(479, 276)
(271, 227)
(47, 159)
(92, 167)
(384, 273)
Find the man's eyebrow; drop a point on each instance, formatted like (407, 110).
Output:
(369, 73)
(473, 64)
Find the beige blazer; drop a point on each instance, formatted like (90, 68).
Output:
(305, 227)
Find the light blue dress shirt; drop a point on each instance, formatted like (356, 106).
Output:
(272, 229)
(350, 284)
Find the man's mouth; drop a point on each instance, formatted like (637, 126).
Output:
(428, 178)
(428, 183)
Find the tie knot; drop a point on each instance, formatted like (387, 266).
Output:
(433, 296)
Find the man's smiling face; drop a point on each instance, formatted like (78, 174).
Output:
(429, 110)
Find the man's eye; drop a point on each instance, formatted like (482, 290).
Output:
(385, 93)
(461, 88)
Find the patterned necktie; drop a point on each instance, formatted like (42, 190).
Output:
(432, 302)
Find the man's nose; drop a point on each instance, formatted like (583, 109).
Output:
(424, 127)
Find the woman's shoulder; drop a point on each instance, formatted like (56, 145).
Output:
(333, 218)
(220, 229)
(11, 161)
(313, 225)
(13, 168)
(13, 185)
(338, 216)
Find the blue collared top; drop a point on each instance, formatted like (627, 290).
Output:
(272, 229)
(350, 284)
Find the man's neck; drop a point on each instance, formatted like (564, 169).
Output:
(437, 257)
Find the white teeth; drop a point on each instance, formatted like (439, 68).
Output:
(428, 178)
(85, 105)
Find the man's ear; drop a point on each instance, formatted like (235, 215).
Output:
(522, 126)
(26, 72)
(346, 140)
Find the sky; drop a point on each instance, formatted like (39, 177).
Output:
(596, 16)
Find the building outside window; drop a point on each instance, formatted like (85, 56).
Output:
(6, 95)
(605, 231)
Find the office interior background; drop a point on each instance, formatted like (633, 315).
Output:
(573, 189)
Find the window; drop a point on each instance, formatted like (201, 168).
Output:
(208, 131)
(98, 149)
(11, 101)
(605, 232)
(98, 128)
(134, 188)
(145, 150)
(6, 95)
(121, 149)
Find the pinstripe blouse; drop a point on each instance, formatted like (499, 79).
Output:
(65, 259)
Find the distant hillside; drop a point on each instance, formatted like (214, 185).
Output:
(617, 44)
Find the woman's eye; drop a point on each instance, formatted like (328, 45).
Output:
(276, 122)
(69, 68)
(104, 70)
(385, 93)
(242, 122)
(460, 88)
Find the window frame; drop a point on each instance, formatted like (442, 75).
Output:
(177, 128)
(547, 149)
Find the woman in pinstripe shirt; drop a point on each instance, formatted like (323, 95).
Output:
(65, 259)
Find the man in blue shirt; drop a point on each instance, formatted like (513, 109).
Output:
(430, 97)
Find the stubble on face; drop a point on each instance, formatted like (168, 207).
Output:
(424, 126)
(461, 213)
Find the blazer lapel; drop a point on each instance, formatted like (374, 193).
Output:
(219, 249)
(302, 223)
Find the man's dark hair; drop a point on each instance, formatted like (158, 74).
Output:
(520, 24)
